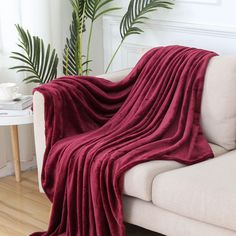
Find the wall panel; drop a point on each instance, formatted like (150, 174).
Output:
(208, 24)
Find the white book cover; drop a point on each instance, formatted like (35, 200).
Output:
(25, 112)
(18, 104)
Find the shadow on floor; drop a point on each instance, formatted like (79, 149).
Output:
(132, 230)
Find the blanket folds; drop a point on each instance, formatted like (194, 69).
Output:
(96, 130)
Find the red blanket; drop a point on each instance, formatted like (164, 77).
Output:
(96, 130)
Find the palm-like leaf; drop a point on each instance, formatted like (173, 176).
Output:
(72, 59)
(40, 63)
(74, 62)
(135, 15)
(95, 8)
(79, 8)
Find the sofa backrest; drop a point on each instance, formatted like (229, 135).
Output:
(117, 75)
(218, 114)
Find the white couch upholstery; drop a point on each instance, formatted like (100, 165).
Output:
(199, 194)
(218, 102)
(168, 197)
(138, 181)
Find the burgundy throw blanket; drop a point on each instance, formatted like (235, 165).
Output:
(96, 130)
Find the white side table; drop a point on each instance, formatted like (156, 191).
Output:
(13, 122)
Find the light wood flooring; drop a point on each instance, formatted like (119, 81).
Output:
(24, 210)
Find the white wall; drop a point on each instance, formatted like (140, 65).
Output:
(45, 19)
(49, 19)
(97, 51)
(8, 39)
(209, 24)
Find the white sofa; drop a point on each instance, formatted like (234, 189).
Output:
(169, 198)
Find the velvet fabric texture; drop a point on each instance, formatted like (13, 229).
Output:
(96, 130)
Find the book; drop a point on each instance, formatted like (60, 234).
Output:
(18, 104)
(8, 113)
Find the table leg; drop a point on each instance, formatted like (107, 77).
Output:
(15, 151)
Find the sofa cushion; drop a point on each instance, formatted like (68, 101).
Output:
(205, 192)
(217, 150)
(138, 180)
(218, 114)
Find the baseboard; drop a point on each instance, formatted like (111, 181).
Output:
(8, 169)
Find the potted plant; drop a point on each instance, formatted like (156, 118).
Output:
(41, 62)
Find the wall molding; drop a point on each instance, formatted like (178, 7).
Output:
(219, 38)
(178, 26)
(203, 2)
(1, 46)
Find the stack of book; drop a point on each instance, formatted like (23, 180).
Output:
(18, 107)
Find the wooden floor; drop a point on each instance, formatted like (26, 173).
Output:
(24, 210)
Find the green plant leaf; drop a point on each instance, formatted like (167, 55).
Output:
(74, 62)
(135, 15)
(20, 59)
(106, 11)
(95, 8)
(33, 58)
(31, 78)
(85, 71)
(72, 57)
(20, 55)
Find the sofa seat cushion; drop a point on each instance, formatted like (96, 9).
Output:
(138, 180)
(205, 192)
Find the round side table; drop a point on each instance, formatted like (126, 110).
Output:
(13, 122)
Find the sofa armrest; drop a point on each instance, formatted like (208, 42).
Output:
(39, 122)
(39, 133)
